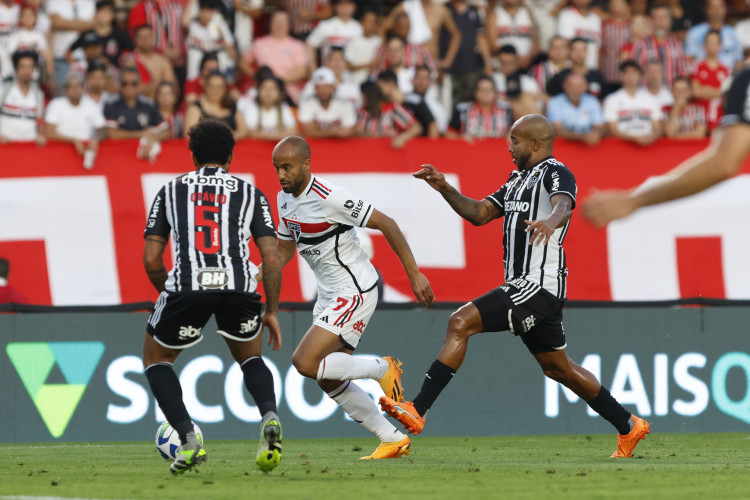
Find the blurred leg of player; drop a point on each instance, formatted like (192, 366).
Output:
(326, 357)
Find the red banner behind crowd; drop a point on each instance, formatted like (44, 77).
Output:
(75, 236)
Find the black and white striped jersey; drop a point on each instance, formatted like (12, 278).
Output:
(212, 216)
(526, 196)
(737, 109)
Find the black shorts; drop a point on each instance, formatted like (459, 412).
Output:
(178, 318)
(526, 310)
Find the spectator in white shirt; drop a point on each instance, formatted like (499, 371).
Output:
(268, 117)
(654, 84)
(26, 37)
(632, 113)
(97, 82)
(579, 21)
(515, 87)
(210, 33)
(336, 31)
(9, 13)
(323, 115)
(69, 18)
(22, 103)
(71, 118)
(360, 53)
(424, 85)
(345, 89)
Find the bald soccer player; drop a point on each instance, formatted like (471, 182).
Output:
(530, 302)
(319, 218)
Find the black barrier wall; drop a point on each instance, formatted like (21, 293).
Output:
(78, 376)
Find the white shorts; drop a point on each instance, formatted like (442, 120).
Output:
(346, 315)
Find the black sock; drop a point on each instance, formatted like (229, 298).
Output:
(435, 380)
(259, 383)
(612, 411)
(165, 386)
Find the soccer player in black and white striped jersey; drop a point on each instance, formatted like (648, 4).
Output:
(536, 203)
(212, 216)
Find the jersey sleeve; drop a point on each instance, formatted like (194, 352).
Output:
(737, 110)
(157, 223)
(560, 180)
(346, 208)
(262, 222)
(498, 199)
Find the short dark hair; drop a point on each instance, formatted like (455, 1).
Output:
(373, 97)
(713, 32)
(208, 4)
(578, 39)
(630, 64)
(659, 5)
(211, 141)
(96, 65)
(141, 27)
(127, 70)
(483, 78)
(394, 36)
(4, 268)
(103, 4)
(336, 48)
(387, 75)
(508, 49)
(422, 67)
(22, 54)
(208, 56)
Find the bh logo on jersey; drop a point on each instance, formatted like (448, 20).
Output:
(189, 332)
(212, 277)
(250, 325)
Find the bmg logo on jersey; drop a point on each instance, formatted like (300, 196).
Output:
(228, 183)
(189, 332)
(212, 277)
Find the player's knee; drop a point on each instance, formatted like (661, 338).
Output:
(555, 373)
(458, 326)
(305, 366)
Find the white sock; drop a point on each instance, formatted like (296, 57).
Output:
(340, 366)
(362, 409)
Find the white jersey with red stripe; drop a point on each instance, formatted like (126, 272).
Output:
(321, 221)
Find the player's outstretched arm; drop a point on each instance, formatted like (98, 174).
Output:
(720, 161)
(395, 238)
(271, 258)
(153, 260)
(478, 212)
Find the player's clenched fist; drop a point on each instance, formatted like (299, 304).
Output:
(433, 177)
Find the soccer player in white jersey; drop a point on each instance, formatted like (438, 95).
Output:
(536, 204)
(319, 218)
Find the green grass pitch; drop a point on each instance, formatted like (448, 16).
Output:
(664, 466)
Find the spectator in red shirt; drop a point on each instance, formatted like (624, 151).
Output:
(662, 46)
(707, 79)
(8, 294)
(378, 118)
(686, 119)
(194, 87)
(165, 19)
(484, 117)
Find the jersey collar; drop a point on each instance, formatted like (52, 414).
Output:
(537, 163)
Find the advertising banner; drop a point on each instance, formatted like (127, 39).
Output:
(75, 236)
(79, 377)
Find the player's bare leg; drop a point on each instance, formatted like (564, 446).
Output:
(463, 323)
(165, 386)
(259, 383)
(322, 356)
(559, 367)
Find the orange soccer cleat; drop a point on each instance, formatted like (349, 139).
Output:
(404, 412)
(391, 381)
(393, 449)
(626, 443)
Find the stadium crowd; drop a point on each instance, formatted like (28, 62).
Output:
(83, 71)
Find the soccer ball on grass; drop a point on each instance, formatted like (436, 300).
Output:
(168, 440)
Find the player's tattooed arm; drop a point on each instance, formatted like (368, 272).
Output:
(153, 261)
(271, 258)
(478, 212)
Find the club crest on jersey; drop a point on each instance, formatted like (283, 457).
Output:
(294, 228)
(533, 180)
